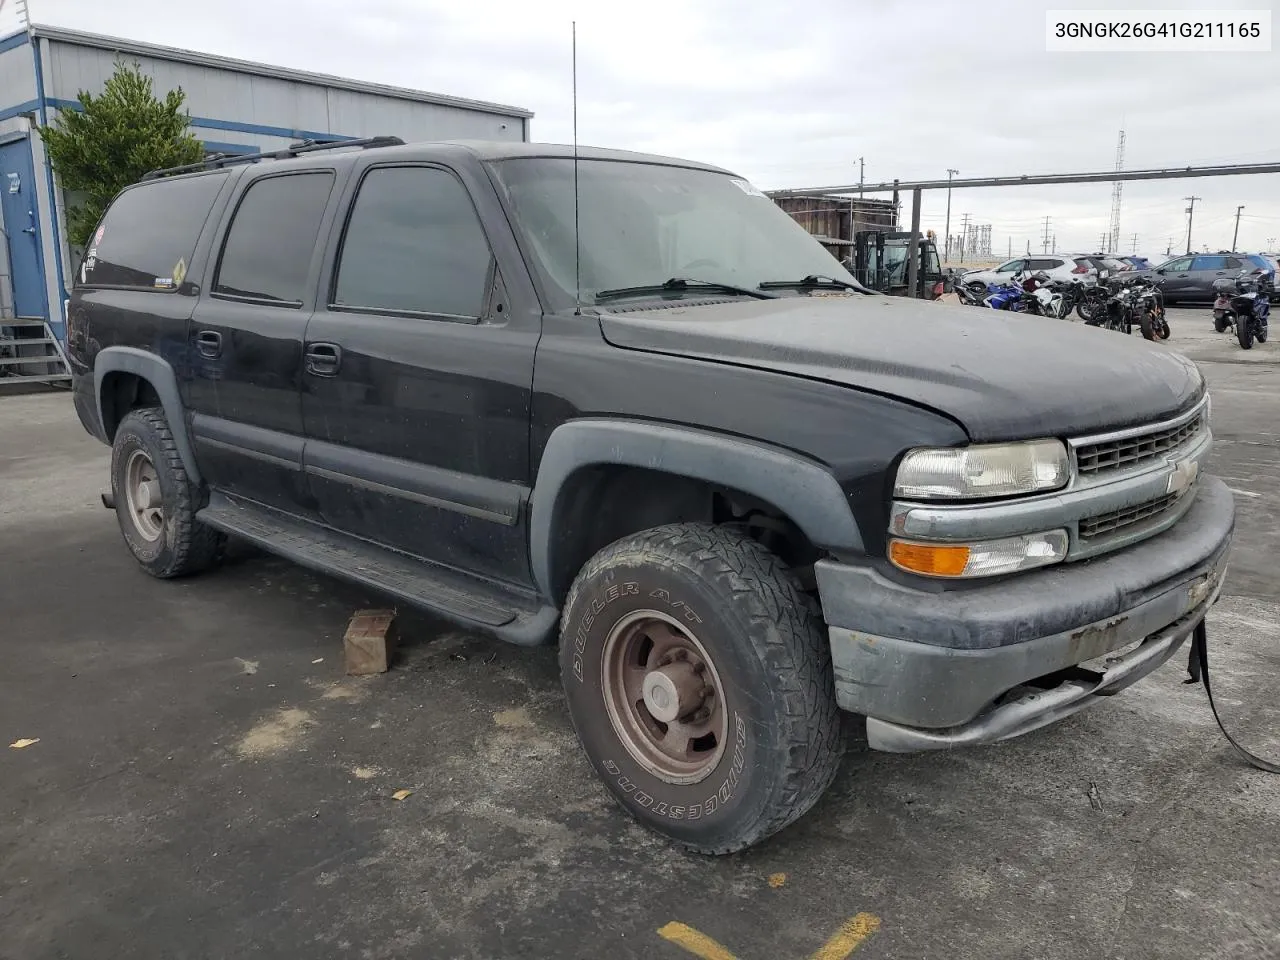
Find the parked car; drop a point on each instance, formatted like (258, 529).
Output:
(1105, 261)
(1057, 266)
(740, 493)
(1133, 262)
(1190, 278)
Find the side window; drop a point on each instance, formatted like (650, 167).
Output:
(1209, 263)
(1009, 267)
(273, 234)
(147, 237)
(1178, 266)
(1233, 263)
(413, 244)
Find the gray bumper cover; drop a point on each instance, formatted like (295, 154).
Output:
(929, 669)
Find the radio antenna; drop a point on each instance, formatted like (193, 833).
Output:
(577, 243)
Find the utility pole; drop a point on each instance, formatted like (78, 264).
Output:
(1191, 212)
(1134, 248)
(1010, 257)
(1046, 234)
(1236, 236)
(1102, 244)
(1053, 246)
(862, 172)
(1271, 243)
(1168, 250)
(950, 173)
(964, 234)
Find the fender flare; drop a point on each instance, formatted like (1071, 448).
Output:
(802, 488)
(158, 372)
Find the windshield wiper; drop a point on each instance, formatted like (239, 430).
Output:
(813, 280)
(680, 285)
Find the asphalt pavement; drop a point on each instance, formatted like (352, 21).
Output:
(205, 782)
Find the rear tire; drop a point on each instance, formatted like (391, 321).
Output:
(156, 500)
(757, 739)
(1220, 324)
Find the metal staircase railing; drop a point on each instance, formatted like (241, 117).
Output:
(30, 353)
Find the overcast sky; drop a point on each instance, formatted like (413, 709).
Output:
(791, 94)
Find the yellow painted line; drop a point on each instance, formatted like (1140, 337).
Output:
(699, 944)
(849, 937)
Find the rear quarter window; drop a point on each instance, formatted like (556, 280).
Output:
(148, 235)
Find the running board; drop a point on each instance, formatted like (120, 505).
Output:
(467, 601)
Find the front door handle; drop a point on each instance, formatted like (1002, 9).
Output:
(323, 359)
(209, 343)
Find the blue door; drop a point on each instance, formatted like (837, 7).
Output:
(22, 227)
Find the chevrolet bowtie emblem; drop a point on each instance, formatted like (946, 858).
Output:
(1183, 476)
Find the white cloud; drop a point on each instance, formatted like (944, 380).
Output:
(792, 94)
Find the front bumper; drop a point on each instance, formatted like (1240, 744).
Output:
(932, 670)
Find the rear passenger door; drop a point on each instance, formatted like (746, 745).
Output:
(416, 396)
(246, 339)
(1205, 270)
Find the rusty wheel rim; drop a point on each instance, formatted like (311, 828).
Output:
(143, 496)
(664, 697)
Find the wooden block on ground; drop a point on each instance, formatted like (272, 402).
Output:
(370, 641)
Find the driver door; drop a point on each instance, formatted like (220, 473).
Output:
(1177, 278)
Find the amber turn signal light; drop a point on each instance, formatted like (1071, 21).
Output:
(935, 560)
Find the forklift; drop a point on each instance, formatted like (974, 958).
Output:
(880, 263)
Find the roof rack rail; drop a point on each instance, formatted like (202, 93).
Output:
(294, 149)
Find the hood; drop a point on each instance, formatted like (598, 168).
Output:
(1001, 376)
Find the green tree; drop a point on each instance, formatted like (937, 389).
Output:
(112, 140)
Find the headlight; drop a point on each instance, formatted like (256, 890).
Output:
(994, 470)
(986, 558)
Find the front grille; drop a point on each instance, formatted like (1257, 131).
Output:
(1095, 458)
(1126, 517)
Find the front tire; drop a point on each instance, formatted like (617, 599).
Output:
(156, 501)
(1244, 332)
(1147, 324)
(699, 681)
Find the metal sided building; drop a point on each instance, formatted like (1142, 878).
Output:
(235, 107)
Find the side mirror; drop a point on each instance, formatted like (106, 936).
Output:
(1161, 271)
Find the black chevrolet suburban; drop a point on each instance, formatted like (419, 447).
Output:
(623, 403)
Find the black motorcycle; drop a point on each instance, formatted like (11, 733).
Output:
(1244, 303)
(1151, 316)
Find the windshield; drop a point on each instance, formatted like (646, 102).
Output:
(642, 224)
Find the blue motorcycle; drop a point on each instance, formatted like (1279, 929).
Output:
(1006, 296)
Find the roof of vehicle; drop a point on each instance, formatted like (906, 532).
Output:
(327, 154)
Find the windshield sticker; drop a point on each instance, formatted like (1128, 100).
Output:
(179, 271)
(97, 237)
(748, 188)
(164, 283)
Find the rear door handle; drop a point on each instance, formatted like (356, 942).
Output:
(209, 343)
(323, 359)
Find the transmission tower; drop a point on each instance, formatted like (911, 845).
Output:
(1114, 243)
